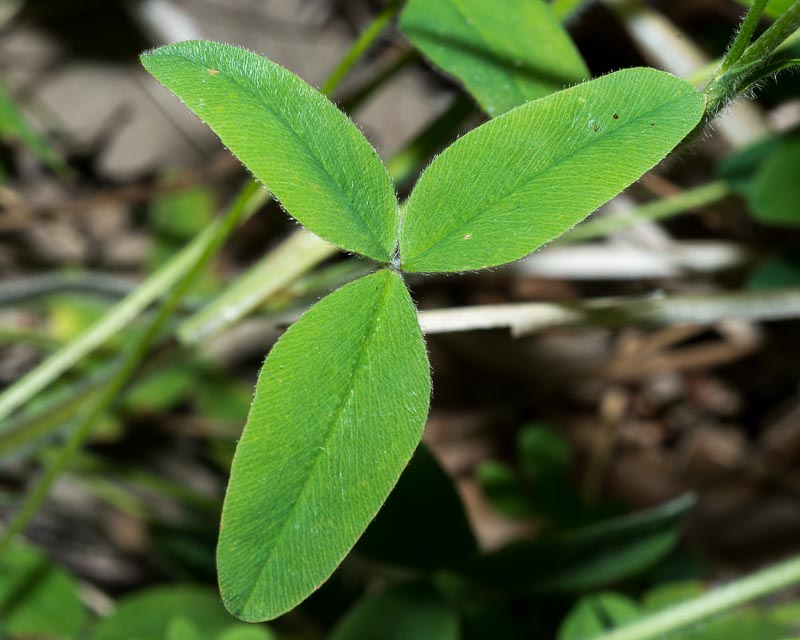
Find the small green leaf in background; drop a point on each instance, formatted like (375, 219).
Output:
(596, 614)
(153, 614)
(780, 271)
(741, 167)
(504, 489)
(180, 628)
(505, 56)
(240, 632)
(776, 191)
(176, 218)
(293, 139)
(222, 397)
(38, 599)
(566, 9)
(545, 461)
(538, 485)
(436, 532)
(14, 127)
(408, 612)
(161, 391)
(774, 8)
(543, 453)
(339, 409)
(521, 180)
(671, 593)
(590, 557)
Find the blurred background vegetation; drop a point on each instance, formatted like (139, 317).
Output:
(625, 438)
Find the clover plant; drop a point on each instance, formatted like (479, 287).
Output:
(343, 396)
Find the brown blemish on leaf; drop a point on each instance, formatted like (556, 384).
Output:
(213, 72)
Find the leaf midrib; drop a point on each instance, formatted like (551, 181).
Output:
(287, 125)
(512, 191)
(370, 333)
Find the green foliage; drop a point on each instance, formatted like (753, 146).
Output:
(240, 632)
(741, 167)
(400, 613)
(178, 217)
(171, 613)
(520, 180)
(765, 174)
(296, 142)
(37, 598)
(436, 533)
(339, 409)
(175, 219)
(589, 557)
(566, 9)
(595, 614)
(504, 489)
(780, 271)
(504, 57)
(14, 127)
(539, 485)
(161, 391)
(776, 192)
(774, 8)
(341, 400)
(180, 628)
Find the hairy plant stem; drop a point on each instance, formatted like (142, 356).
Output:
(744, 35)
(785, 25)
(735, 76)
(246, 203)
(683, 616)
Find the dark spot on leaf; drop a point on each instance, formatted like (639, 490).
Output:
(616, 116)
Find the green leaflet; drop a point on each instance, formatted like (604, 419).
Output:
(521, 180)
(503, 56)
(401, 613)
(293, 139)
(339, 409)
